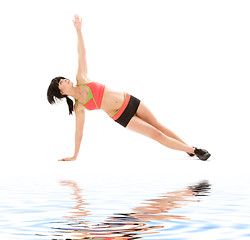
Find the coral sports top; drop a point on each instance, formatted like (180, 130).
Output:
(95, 95)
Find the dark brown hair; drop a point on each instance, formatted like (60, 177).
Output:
(54, 93)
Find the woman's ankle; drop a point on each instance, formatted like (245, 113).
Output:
(192, 149)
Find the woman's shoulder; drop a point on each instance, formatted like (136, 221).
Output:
(78, 107)
(82, 79)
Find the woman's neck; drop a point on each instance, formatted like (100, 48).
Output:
(74, 92)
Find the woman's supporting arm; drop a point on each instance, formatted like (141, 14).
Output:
(78, 139)
(80, 119)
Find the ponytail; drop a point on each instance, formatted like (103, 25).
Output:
(70, 105)
(54, 93)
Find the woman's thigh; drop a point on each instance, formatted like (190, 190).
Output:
(136, 124)
(146, 115)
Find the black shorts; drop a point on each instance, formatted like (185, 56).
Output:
(129, 111)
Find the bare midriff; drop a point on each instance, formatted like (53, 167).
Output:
(111, 101)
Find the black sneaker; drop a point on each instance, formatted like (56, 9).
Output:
(202, 154)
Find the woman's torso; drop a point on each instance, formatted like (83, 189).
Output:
(111, 100)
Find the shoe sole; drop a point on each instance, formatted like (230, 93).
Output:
(205, 157)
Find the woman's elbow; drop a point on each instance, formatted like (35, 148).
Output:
(78, 134)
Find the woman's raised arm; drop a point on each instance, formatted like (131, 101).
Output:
(82, 62)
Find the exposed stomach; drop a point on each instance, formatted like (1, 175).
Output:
(111, 101)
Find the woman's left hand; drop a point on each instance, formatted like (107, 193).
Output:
(77, 23)
(68, 159)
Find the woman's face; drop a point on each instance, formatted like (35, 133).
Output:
(64, 85)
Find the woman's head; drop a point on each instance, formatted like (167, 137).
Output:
(57, 89)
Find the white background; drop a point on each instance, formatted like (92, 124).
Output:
(188, 61)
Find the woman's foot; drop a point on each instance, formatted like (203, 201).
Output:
(191, 154)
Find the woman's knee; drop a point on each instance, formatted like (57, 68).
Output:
(158, 125)
(155, 134)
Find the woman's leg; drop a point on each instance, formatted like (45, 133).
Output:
(146, 115)
(136, 124)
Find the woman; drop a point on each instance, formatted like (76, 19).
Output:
(123, 108)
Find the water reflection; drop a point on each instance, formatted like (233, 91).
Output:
(145, 219)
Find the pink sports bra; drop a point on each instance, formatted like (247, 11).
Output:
(95, 95)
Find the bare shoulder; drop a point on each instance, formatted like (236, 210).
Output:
(82, 79)
(79, 109)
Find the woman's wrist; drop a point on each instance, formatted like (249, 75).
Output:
(79, 31)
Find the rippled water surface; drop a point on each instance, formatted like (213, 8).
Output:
(97, 208)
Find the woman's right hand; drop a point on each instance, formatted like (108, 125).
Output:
(77, 23)
(67, 159)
